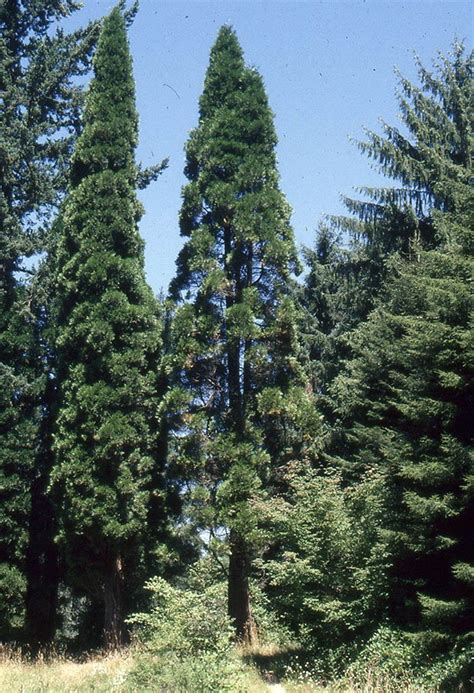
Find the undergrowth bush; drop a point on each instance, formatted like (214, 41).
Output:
(270, 626)
(388, 652)
(394, 660)
(450, 671)
(185, 642)
(329, 579)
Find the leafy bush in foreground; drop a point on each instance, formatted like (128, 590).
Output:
(185, 641)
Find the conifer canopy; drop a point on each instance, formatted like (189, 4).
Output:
(108, 344)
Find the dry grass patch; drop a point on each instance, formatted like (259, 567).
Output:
(99, 673)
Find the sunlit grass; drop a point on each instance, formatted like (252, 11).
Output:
(98, 673)
(266, 669)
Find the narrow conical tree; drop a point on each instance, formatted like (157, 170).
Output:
(108, 348)
(237, 378)
(39, 109)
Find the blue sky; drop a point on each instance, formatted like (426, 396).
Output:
(329, 72)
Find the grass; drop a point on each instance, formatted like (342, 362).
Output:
(294, 669)
(98, 673)
(266, 669)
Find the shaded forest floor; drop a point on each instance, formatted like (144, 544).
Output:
(263, 671)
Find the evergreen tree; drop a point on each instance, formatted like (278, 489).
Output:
(107, 476)
(429, 160)
(327, 304)
(404, 397)
(434, 159)
(387, 329)
(238, 390)
(38, 122)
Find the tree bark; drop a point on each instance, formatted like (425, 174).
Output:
(239, 562)
(42, 556)
(42, 574)
(113, 607)
(232, 345)
(238, 591)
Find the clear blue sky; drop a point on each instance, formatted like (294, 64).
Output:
(328, 69)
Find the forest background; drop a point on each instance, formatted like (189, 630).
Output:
(291, 461)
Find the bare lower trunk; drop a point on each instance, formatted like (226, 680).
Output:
(238, 592)
(113, 611)
(42, 558)
(42, 594)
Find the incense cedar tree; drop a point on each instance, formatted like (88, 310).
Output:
(238, 396)
(39, 112)
(107, 476)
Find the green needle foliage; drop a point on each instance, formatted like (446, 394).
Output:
(429, 162)
(107, 476)
(238, 384)
(388, 326)
(38, 121)
(318, 437)
(404, 397)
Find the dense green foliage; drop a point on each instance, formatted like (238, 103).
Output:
(330, 574)
(238, 385)
(314, 437)
(107, 475)
(39, 116)
(397, 377)
(187, 640)
(407, 409)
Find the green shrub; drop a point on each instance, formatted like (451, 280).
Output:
(12, 594)
(452, 671)
(185, 642)
(271, 627)
(329, 579)
(394, 659)
(389, 652)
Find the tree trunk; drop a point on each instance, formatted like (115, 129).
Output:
(42, 557)
(233, 345)
(42, 573)
(238, 591)
(113, 611)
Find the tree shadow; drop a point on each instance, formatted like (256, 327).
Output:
(275, 664)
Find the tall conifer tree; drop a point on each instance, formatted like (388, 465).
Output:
(39, 112)
(108, 344)
(426, 161)
(403, 398)
(237, 378)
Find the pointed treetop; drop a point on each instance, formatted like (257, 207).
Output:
(225, 73)
(110, 118)
(226, 39)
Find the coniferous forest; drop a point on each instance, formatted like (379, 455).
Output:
(265, 475)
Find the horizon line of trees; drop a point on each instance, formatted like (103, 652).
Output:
(310, 438)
